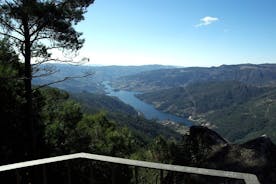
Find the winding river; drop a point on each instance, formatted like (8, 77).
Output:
(148, 110)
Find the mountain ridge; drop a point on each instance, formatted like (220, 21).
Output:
(262, 74)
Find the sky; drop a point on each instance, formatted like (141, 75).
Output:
(179, 32)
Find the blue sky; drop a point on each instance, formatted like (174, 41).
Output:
(180, 32)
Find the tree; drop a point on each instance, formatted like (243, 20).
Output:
(11, 105)
(36, 27)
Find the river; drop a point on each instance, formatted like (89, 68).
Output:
(148, 110)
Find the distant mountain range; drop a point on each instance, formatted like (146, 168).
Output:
(261, 75)
(91, 83)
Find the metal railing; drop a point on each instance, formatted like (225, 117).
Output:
(248, 178)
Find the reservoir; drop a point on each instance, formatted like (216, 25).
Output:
(148, 110)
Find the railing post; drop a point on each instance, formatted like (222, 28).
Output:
(44, 172)
(91, 179)
(69, 179)
(113, 177)
(136, 174)
(161, 176)
(18, 179)
(173, 177)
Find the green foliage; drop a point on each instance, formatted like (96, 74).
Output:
(161, 150)
(35, 21)
(104, 137)
(11, 109)
(10, 68)
(67, 129)
(34, 28)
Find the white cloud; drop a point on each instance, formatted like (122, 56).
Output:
(205, 21)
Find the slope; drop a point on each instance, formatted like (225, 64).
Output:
(123, 114)
(237, 111)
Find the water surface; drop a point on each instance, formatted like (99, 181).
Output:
(148, 110)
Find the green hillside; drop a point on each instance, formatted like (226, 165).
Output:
(239, 112)
(94, 102)
(201, 97)
(249, 120)
(124, 115)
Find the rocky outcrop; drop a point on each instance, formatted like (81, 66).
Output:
(205, 148)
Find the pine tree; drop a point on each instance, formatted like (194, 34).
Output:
(36, 27)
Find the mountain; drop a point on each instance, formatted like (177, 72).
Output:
(91, 83)
(248, 120)
(238, 101)
(201, 97)
(260, 75)
(237, 111)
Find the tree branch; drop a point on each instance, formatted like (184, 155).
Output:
(45, 74)
(10, 26)
(10, 36)
(62, 80)
(37, 37)
(39, 63)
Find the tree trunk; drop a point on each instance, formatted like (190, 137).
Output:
(28, 89)
(29, 103)
(30, 148)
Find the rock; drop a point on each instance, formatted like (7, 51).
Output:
(205, 148)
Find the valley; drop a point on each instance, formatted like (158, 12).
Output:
(143, 108)
(137, 92)
(238, 101)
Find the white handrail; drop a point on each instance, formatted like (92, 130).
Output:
(248, 178)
